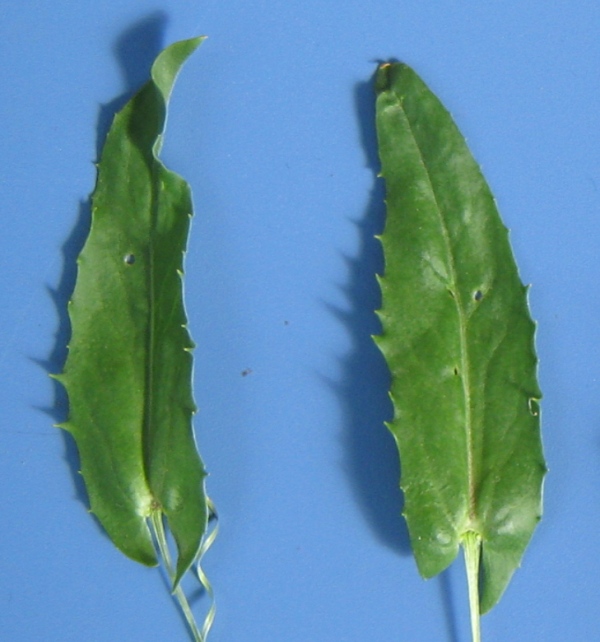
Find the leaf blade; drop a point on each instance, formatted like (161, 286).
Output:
(129, 368)
(459, 342)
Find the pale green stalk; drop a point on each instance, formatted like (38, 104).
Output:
(472, 548)
(161, 539)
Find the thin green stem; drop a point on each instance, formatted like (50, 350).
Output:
(159, 533)
(206, 544)
(472, 547)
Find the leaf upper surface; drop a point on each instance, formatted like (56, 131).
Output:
(129, 369)
(459, 341)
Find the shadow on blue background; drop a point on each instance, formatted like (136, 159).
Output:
(448, 605)
(371, 460)
(135, 51)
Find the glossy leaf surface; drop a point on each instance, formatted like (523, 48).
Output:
(129, 369)
(459, 341)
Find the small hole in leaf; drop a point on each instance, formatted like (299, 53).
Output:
(478, 295)
(129, 259)
(534, 407)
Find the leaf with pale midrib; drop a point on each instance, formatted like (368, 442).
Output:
(129, 369)
(459, 341)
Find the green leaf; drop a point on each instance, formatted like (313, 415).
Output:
(129, 369)
(459, 342)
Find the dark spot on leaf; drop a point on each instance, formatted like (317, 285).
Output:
(456, 371)
(129, 259)
(478, 295)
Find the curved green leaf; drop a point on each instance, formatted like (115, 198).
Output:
(129, 369)
(459, 342)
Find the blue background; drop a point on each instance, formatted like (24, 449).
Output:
(272, 124)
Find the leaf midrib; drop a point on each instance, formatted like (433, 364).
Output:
(463, 322)
(147, 436)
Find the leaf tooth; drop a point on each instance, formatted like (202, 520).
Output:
(65, 425)
(378, 338)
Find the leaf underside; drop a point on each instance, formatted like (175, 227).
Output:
(128, 373)
(459, 342)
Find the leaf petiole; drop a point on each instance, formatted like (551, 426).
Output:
(472, 548)
(158, 529)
